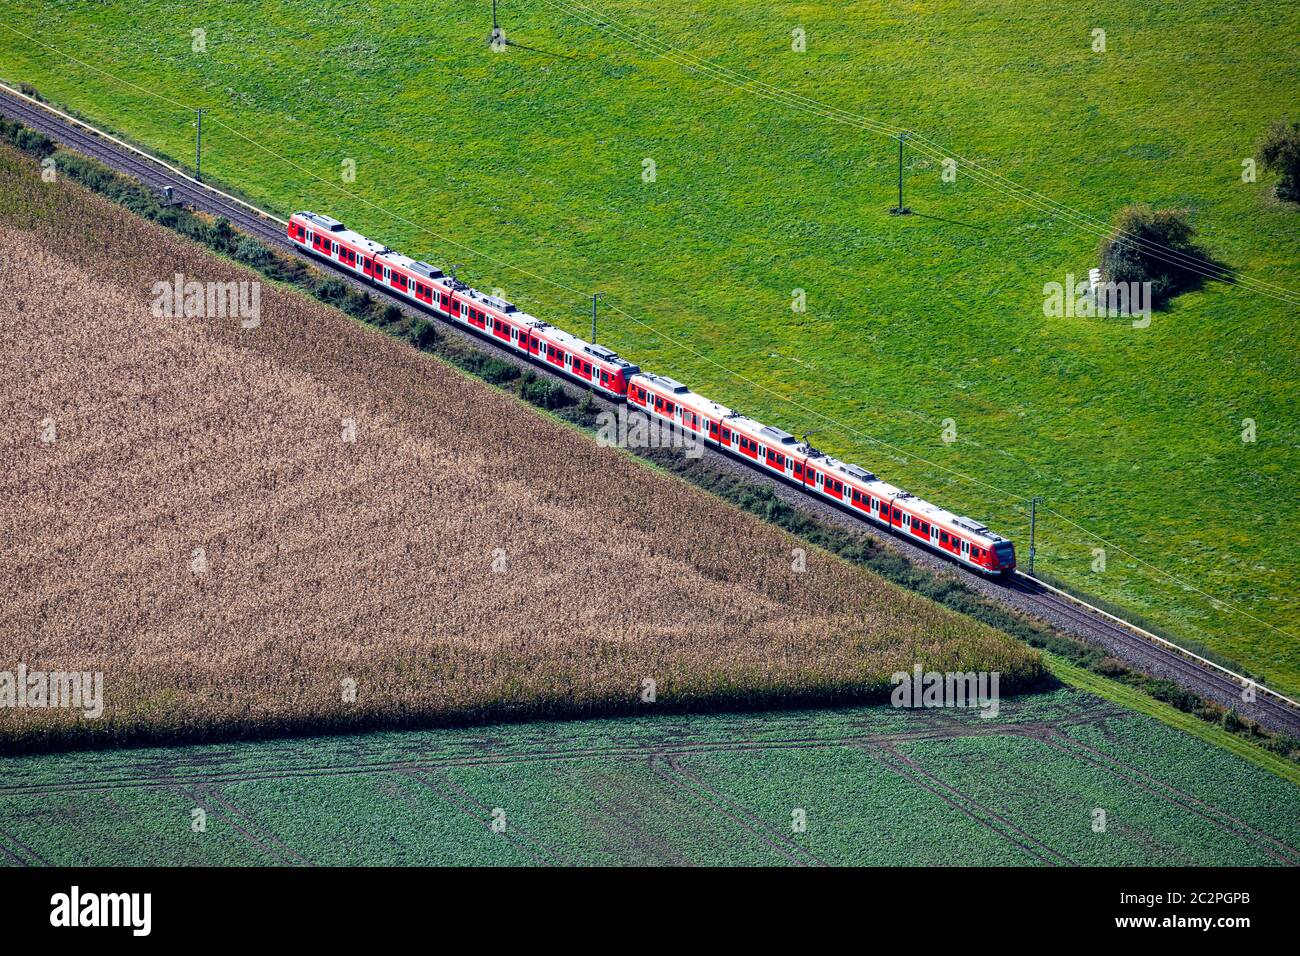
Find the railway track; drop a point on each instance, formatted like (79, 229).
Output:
(1180, 666)
(1120, 639)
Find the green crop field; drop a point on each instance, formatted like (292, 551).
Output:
(529, 167)
(856, 786)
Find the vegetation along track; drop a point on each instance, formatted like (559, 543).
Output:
(1021, 592)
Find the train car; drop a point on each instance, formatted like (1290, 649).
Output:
(850, 487)
(494, 318)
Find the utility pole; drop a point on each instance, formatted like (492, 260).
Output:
(594, 297)
(497, 38)
(900, 209)
(1033, 522)
(198, 146)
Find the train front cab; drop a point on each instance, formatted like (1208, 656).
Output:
(1003, 555)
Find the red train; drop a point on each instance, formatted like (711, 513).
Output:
(763, 447)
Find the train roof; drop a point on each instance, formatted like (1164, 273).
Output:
(575, 344)
(344, 234)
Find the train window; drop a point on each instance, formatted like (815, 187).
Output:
(943, 537)
(726, 435)
(798, 469)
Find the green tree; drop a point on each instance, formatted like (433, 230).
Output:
(1280, 153)
(1151, 245)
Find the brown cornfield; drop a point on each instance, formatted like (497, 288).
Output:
(201, 530)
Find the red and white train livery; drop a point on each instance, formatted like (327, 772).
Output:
(761, 446)
(592, 365)
(816, 473)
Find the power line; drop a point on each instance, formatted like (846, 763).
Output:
(649, 43)
(673, 341)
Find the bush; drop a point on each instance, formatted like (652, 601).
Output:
(421, 334)
(544, 393)
(359, 305)
(498, 372)
(221, 237)
(1110, 667)
(330, 290)
(29, 141)
(251, 252)
(1280, 153)
(1133, 253)
(28, 90)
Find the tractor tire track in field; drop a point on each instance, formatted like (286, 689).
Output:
(932, 732)
(207, 798)
(624, 804)
(1280, 851)
(683, 779)
(444, 787)
(1052, 736)
(33, 858)
(991, 820)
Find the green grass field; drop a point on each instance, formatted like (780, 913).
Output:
(524, 164)
(874, 785)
